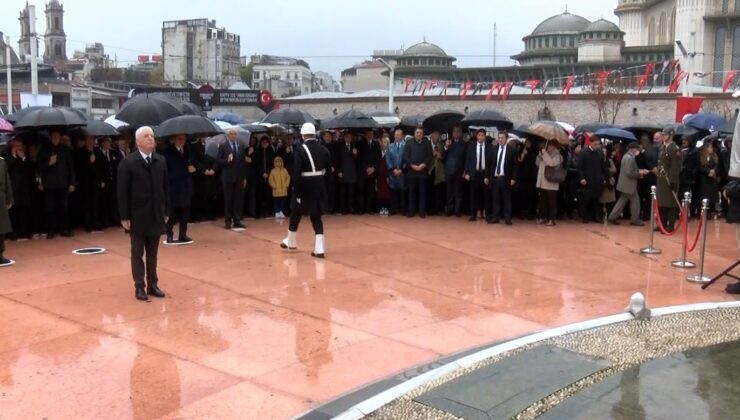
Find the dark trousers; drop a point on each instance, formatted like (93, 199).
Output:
(181, 216)
(316, 222)
(366, 195)
(346, 198)
(527, 200)
(139, 244)
(438, 203)
(2, 246)
(91, 201)
(548, 205)
(20, 218)
(398, 201)
(589, 207)
(251, 194)
(501, 196)
(668, 216)
(279, 204)
(233, 201)
(57, 209)
(480, 196)
(417, 195)
(264, 199)
(454, 184)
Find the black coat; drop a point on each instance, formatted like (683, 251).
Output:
(61, 175)
(90, 175)
(203, 185)
(471, 156)
(109, 168)
(264, 161)
(180, 180)
(511, 164)
(142, 194)
(417, 153)
(732, 189)
(310, 195)
(23, 179)
(347, 163)
(592, 167)
(368, 156)
(236, 170)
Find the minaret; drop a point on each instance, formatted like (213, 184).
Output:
(696, 35)
(24, 43)
(630, 22)
(55, 40)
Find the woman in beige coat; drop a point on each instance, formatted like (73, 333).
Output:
(548, 191)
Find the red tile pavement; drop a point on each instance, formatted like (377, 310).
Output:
(251, 331)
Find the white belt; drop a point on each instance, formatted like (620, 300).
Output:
(316, 173)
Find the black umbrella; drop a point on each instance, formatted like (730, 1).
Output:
(13, 118)
(644, 127)
(52, 117)
(410, 122)
(521, 130)
(442, 121)
(289, 116)
(487, 118)
(100, 129)
(592, 127)
(255, 128)
(682, 130)
(615, 134)
(190, 125)
(148, 110)
(351, 119)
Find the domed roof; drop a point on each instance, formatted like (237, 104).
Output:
(602, 25)
(565, 23)
(424, 49)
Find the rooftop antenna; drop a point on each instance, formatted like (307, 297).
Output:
(566, 8)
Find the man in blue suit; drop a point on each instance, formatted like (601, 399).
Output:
(454, 160)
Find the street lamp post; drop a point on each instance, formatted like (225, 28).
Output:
(391, 82)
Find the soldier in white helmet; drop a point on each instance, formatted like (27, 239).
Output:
(310, 197)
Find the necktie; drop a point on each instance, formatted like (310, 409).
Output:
(148, 160)
(500, 159)
(480, 157)
(233, 147)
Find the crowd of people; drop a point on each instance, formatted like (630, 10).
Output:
(69, 182)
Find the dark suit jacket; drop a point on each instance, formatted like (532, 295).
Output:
(511, 165)
(143, 194)
(368, 156)
(592, 167)
(236, 170)
(347, 163)
(471, 156)
(60, 175)
(454, 157)
(180, 180)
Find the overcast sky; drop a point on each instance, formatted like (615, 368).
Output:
(330, 34)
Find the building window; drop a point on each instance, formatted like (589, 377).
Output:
(539, 42)
(547, 42)
(56, 23)
(737, 6)
(736, 48)
(726, 6)
(719, 54)
(256, 75)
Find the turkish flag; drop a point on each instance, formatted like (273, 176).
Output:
(728, 80)
(686, 105)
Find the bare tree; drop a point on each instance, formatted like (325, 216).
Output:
(724, 108)
(608, 95)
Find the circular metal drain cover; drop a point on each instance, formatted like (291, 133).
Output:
(89, 251)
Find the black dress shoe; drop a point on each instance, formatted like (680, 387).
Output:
(185, 239)
(155, 291)
(317, 255)
(141, 294)
(508, 223)
(472, 219)
(227, 226)
(410, 215)
(170, 240)
(493, 222)
(239, 226)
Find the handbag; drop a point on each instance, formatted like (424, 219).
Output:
(555, 174)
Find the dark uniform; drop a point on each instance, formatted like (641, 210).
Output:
(669, 177)
(312, 166)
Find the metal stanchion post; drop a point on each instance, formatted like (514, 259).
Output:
(683, 262)
(701, 278)
(651, 250)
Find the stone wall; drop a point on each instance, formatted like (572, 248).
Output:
(578, 109)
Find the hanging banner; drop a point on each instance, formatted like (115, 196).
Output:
(728, 80)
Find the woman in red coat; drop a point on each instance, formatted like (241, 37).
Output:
(383, 188)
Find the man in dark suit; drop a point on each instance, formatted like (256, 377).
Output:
(368, 156)
(418, 156)
(205, 183)
(454, 160)
(180, 170)
(476, 158)
(233, 165)
(91, 182)
(592, 171)
(331, 178)
(347, 174)
(6, 202)
(502, 174)
(57, 170)
(109, 161)
(143, 203)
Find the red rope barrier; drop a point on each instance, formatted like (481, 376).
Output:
(659, 222)
(696, 240)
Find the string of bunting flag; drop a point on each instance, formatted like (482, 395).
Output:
(642, 75)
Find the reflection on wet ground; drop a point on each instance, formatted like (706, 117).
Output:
(248, 328)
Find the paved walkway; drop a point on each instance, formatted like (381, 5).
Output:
(250, 331)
